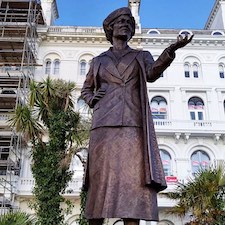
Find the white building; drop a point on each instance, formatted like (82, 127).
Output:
(187, 102)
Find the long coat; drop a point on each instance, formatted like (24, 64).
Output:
(150, 71)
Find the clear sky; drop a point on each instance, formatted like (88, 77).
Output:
(190, 14)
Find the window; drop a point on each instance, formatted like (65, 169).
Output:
(52, 62)
(199, 160)
(48, 64)
(159, 108)
(186, 70)
(196, 108)
(185, 32)
(153, 31)
(84, 63)
(195, 70)
(166, 161)
(56, 67)
(221, 70)
(217, 32)
(83, 67)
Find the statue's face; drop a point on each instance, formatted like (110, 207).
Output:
(122, 27)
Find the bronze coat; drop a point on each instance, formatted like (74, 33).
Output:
(150, 71)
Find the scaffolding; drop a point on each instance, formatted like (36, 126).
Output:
(18, 54)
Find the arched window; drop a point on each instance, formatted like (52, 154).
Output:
(195, 70)
(185, 32)
(159, 107)
(199, 160)
(192, 67)
(83, 67)
(221, 70)
(153, 31)
(48, 64)
(84, 63)
(217, 32)
(166, 161)
(196, 108)
(186, 70)
(56, 67)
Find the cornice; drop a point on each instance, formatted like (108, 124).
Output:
(96, 35)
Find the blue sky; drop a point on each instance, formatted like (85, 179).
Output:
(190, 14)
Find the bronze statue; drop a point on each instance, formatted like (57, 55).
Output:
(124, 170)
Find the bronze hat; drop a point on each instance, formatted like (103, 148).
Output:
(112, 16)
(118, 12)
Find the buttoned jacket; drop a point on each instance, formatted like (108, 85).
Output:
(108, 110)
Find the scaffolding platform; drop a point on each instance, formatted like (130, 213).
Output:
(18, 54)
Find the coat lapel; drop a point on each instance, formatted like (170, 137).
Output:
(126, 61)
(110, 65)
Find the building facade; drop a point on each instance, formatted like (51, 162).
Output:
(187, 102)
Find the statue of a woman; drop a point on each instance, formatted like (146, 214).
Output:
(124, 170)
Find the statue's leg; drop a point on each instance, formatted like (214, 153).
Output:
(96, 221)
(131, 221)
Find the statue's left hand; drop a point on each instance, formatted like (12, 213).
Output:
(181, 42)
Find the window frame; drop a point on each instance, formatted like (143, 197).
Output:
(193, 69)
(48, 66)
(221, 70)
(196, 113)
(200, 154)
(56, 68)
(159, 114)
(168, 170)
(83, 67)
(187, 67)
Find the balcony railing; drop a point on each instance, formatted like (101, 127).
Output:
(190, 126)
(75, 30)
(26, 185)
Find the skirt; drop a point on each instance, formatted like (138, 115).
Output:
(116, 176)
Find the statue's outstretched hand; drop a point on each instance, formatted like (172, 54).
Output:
(181, 42)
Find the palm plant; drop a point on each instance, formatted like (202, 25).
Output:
(51, 113)
(202, 196)
(17, 218)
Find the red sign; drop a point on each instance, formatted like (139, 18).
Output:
(171, 179)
